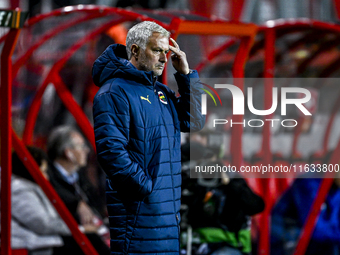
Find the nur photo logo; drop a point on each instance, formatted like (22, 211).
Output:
(238, 103)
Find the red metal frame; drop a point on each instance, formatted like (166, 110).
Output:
(22, 60)
(296, 135)
(178, 26)
(6, 139)
(214, 54)
(66, 97)
(20, 252)
(335, 110)
(236, 9)
(34, 109)
(270, 37)
(289, 26)
(268, 95)
(84, 9)
(337, 7)
(238, 74)
(327, 182)
(323, 48)
(333, 67)
(91, 12)
(14, 4)
(314, 211)
(53, 74)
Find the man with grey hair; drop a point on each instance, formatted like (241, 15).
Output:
(138, 123)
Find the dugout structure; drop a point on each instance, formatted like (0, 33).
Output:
(46, 67)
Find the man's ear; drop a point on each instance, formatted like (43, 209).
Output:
(135, 49)
(70, 156)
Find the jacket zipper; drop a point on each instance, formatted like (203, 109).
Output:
(172, 176)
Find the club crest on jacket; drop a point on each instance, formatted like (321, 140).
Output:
(162, 97)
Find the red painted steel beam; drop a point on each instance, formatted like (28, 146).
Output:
(269, 64)
(20, 252)
(337, 8)
(91, 13)
(236, 9)
(6, 141)
(314, 211)
(84, 9)
(14, 4)
(52, 195)
(87, 9)
(70, 103)
(217, 28)
(330, 69)
(284, 26)
(334, 112)
(23, 59)
(323, 48)
(202, 7)
(300, 24)
(247, 33)
(214, 54)
(238, 74)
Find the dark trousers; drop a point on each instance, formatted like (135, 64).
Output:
(71, 247)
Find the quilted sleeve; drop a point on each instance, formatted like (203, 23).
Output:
(188, 105)
(111, 127)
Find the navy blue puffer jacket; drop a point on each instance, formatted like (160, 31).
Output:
(137, 124)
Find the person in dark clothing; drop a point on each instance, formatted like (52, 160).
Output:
(291, 211)
(221, 215)
(68, 152)
(35, 224)
(220, 206)
(138, 123)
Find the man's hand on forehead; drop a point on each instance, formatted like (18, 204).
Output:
(175, 49)
(179, 59)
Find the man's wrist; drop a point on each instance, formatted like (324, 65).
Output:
(188, 72)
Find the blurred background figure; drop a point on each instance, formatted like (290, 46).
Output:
(36, 226)
(292, 209)
(67, 151)
(219, 205)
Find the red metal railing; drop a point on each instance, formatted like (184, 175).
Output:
(6, 139)
(246, 33)
(268, 43)
(54, 76)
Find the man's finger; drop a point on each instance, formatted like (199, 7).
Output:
(175, 43)
(174, 50)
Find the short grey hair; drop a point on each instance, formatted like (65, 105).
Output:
(59, 140)
(139, 34)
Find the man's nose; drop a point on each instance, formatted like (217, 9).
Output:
(163, 58)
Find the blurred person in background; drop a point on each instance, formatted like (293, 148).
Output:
(292, 209)
(36, 225)
(68, 152)
(220, 206)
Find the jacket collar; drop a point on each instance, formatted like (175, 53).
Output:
(113, 63)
